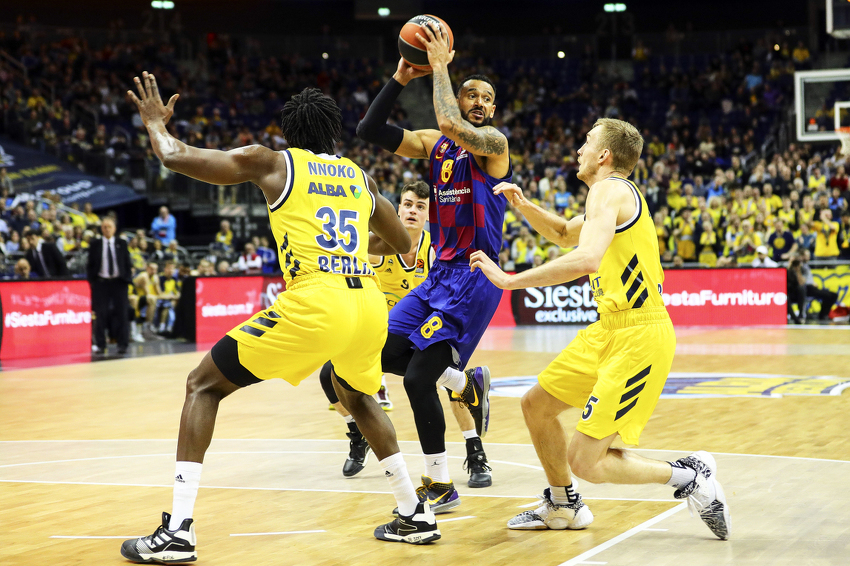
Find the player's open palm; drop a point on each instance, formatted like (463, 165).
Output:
(149, 103)
(512, 192)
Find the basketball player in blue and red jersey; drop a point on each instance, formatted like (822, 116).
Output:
(436, 327)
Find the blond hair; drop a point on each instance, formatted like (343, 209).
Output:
(623, 141)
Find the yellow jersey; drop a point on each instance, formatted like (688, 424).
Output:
(321, 219)
(630, 274)
(398, 278)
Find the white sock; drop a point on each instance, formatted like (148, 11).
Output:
(437, 467)
(453, 378)
(187, 478)
(467, 434)
(562, 495)
(396, 472)
(681, 475)
(384, 381)
(349, 419)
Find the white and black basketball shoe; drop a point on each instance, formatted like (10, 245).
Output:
(163, 546)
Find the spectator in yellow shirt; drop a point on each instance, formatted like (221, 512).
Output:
(801, 54)
(826, 240)
(225, 235)
(684, 227)
(707, 245)
(817, 180)
(806, 215)
(91, 217)
(746, 243)
(772, 201)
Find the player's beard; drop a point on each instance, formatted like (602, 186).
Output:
(485, 122)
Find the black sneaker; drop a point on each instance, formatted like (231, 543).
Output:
(476, 396)
(163, 546)
(440, 497)
(476, 464)
(419, 528)
(358, 452)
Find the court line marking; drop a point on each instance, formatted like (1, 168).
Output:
(280, 533)
(658, 530)
(305, 490)
(580, 559)
(457, 518)
(170, 454)
(90, 537)
(415, 442)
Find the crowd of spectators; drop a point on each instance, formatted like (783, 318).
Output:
(720, 189)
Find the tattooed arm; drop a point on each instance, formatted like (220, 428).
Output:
(486, 142)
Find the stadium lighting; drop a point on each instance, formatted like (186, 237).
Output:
(324, 55)
(383, 12)
(614, 7)
(561, 54)
(162, 5)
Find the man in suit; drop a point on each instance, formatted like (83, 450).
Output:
(109, 271)
(44, 257)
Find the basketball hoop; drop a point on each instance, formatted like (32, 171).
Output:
(844, 137)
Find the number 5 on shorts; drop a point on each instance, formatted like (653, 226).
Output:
(588, 409)
(429, 328)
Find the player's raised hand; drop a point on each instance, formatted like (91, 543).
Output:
(512, 192)
(405, 73)
(436, 41)
(479, 260)
(149, 103)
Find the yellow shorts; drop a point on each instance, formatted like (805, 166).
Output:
(318, 318)
(615, 369)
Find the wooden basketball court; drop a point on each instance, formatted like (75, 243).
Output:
(87, 459)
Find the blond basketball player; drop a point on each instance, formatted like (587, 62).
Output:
(615, 369)
(321, 209)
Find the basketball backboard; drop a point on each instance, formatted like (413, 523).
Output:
(838, 18)
(821, 104)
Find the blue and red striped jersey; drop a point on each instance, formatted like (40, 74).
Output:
(464, 214)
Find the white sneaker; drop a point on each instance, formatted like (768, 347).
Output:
(705, 494)
(137, 337)
(549, 515)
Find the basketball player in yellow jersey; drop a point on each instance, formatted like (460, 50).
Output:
(615, 369)
(399, 274)
(321, 208)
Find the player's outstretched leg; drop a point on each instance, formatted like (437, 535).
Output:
(173, 542)
(416, 523)
(704, 493)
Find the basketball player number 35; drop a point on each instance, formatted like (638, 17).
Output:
(429, 328)
(334, 228)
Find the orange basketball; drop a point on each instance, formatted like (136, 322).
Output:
(411, 48)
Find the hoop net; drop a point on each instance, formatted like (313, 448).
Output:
(844, 136)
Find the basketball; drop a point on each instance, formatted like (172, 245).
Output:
(411, 49)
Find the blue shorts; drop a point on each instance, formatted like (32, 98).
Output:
(452, 304)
